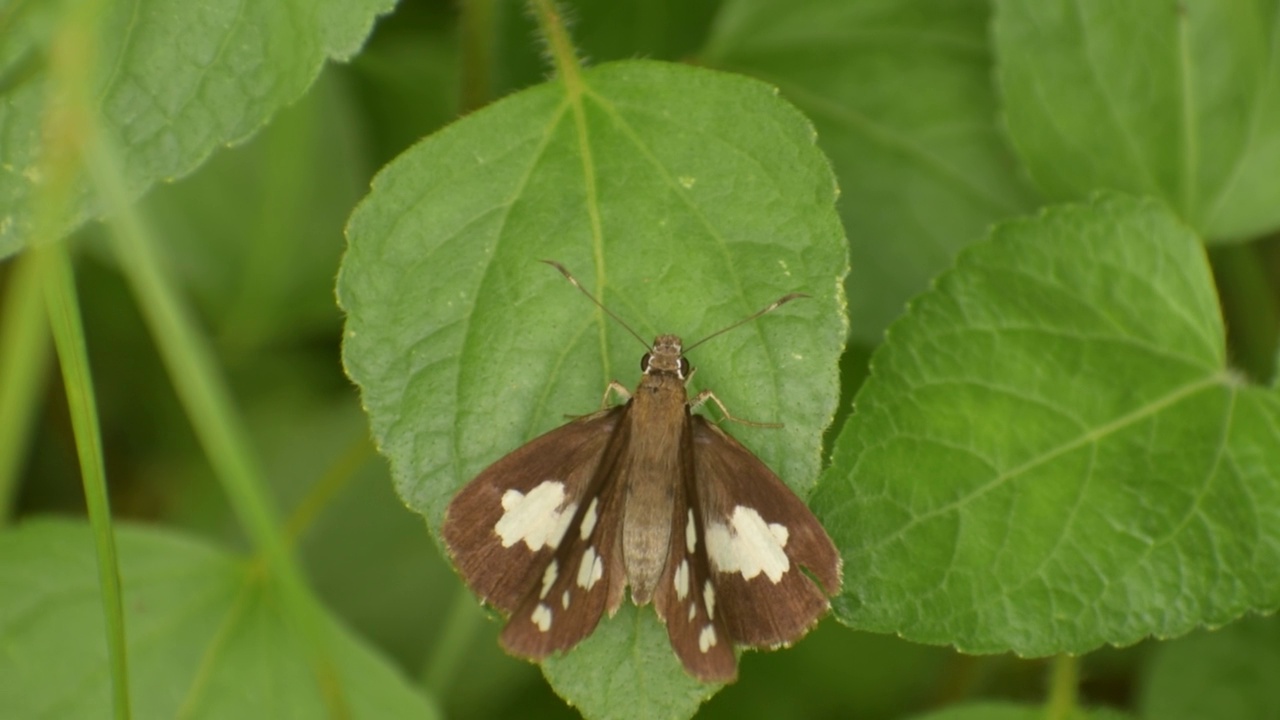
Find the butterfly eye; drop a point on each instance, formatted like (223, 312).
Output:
(684, 368)
(644, 363)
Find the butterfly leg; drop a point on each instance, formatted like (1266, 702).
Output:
(706, 395)
(617, 388)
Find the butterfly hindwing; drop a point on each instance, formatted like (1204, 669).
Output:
(759, 535)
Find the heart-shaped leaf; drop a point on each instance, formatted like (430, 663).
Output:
(685, 199)
(1179, 100)
(1051, 452)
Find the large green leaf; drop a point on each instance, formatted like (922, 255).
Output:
(171, 80)
(1051, 452)
(1179, 100)
(685, 198)
(901, 94)
(206, 636)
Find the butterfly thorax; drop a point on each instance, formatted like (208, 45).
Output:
(652, 471)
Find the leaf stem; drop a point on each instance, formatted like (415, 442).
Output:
(1064, 677)
(563, 55)
(68, 334)
(65, 125)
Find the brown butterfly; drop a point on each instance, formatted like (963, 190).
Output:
(651, 496)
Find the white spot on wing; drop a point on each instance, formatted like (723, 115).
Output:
(541, 617)
(549, 577)
(536, 518)
(707, 638)
(682, 580)
(564, 600)
(690, 535)
(589, 520)
(591, 569)
(748, 545)
(693, 612)
(709, 599)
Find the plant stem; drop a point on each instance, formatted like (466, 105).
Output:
(554, 33)
(68, 334)
(65, 125)
(1064, 678)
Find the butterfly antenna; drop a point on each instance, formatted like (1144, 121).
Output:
(569, 276)
(772, 306)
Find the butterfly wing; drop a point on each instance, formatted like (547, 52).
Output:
(686, 597)
(532, 534)
(759, 536)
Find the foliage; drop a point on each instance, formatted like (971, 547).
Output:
(1029, 394)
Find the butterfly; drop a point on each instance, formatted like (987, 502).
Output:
(649, 496)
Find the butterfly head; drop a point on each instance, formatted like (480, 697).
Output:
(666, 357)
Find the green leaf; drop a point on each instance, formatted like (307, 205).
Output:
(172, 81)
(626, 669)
(1221, 675)
(1180, 100)
(1051, 453)
(902, 97)
(685, 199)
(205, 635)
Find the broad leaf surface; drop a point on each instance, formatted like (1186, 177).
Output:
(1051, 453)
(172, 80)
(685, 199)
(1179, 100)
(902, 97)
(206, 636)
(1224, 674)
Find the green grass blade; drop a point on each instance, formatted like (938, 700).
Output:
(54, 270)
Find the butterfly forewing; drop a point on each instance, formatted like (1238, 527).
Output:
(504, 527)
(762, 543)
(585, 574)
